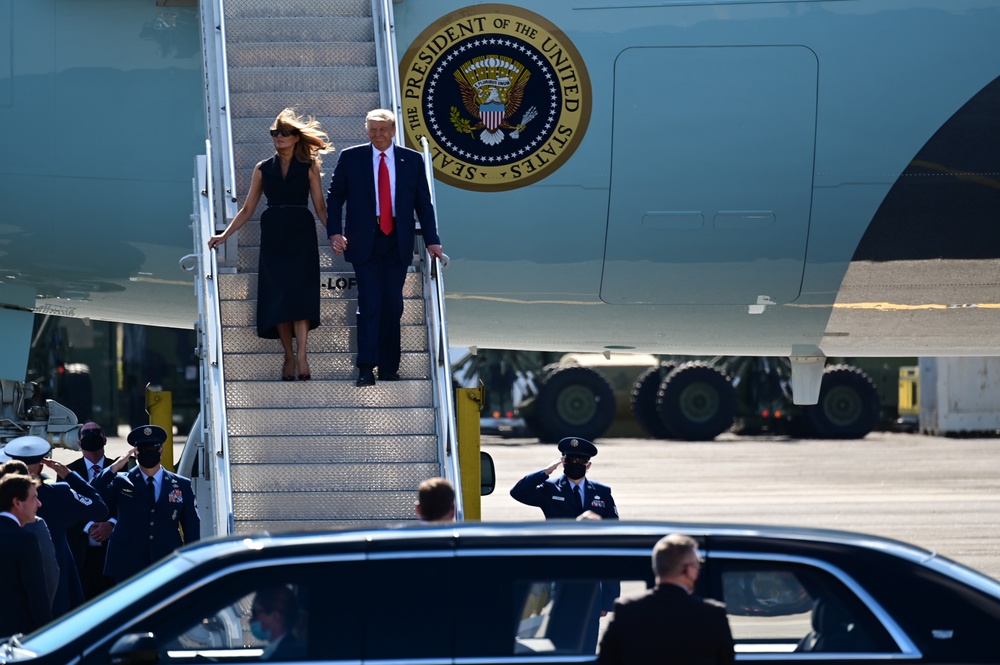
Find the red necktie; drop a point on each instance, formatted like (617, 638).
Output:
(95, 471)
(384, 197)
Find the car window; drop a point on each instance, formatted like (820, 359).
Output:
(262, 613)
(794, 608)
(408, 607)
(549, 604)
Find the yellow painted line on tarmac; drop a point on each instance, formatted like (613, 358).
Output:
(894, 307)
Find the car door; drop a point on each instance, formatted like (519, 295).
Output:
(784, 608)
(534, 605)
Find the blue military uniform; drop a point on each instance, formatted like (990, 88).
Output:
(559, 500)
(147, 530)
(556, 497)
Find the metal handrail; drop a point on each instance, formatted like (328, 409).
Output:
(386, 59)
(220, 129)
(214, 416)
(437, 337)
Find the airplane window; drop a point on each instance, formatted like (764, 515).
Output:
(790, 608)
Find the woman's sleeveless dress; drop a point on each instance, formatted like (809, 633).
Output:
(288, 270)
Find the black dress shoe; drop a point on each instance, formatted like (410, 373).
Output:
(366, 377)
(393, 376)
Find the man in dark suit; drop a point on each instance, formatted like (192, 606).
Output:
(90, 539)
(384, 187)
(668, 624)
(24, 601)
(152, 505)
(64, 504)
(561, 498)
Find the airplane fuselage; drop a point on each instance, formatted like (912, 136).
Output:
(773, 178)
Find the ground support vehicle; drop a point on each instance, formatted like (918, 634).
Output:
(793, 595)
(590, 395)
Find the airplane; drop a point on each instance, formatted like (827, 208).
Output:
(806, 179)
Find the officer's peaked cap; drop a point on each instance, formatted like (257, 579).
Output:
(574, 445)
(147, 435)
(28, 449)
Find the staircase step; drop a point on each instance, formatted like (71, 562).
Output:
(278, 30)
(331, 312)
(320, 506)
(298, 8)
(313, 54)
(332, 421)
(267, 479)
(323, 367)
(334, 285)
(343, 448)
(325, 339)
(319, 394)
(302, 79)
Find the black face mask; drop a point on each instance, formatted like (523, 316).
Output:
(91, 440)
(148, 459)
(575, 470)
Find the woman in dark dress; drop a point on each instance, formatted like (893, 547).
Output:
(288, 271)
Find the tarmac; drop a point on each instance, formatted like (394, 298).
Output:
(939, 493)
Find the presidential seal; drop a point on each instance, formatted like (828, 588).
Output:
(501, 94)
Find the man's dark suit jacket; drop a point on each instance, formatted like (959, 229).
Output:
(24, 600)
(146, 533)
(555, 497)
(65, 504)
(79, 542)
(353, 184)
(667, 625)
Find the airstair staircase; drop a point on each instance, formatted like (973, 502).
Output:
(292, 455)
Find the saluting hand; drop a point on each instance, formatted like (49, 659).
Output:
(552, 467)
(61, 469)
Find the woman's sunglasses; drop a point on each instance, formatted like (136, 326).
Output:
(283, 132)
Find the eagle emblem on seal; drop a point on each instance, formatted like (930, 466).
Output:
(492, 88)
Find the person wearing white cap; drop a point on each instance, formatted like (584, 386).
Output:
(64, 504)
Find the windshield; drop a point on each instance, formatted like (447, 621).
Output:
(86, 617)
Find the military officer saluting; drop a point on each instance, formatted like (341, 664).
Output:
(572, 494)
(152, 505)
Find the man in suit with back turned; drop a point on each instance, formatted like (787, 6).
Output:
(384, 188)
(668, 623)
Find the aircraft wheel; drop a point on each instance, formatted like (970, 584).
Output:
(696, 402)
(575, 401)
(643, 400)
(848, 406)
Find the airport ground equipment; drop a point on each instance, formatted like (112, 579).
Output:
(592, 395)
(279, 455)
(19, 416)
